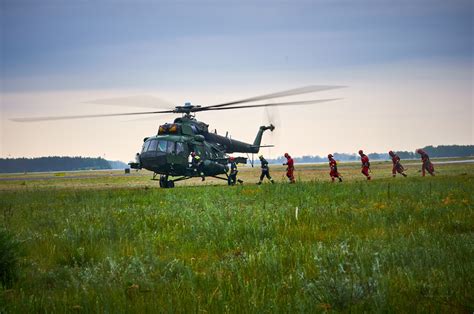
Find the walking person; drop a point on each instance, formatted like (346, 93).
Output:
(333, 167)
(290, 168)
(397, 166)
(265, 170)
(232, 178)
(426, 163)
(364, 159)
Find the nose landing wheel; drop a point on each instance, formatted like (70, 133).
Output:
(165, 183)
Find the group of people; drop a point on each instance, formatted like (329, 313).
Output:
(290, 169)
(397, 167)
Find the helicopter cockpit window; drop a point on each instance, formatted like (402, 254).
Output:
(162, 146)
(145, 146)
(170, 148)
(195, 130)
(152, 146)
(179, 147)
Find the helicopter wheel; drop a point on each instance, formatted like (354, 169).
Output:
(165, 183)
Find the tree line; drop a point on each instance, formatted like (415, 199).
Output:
(14, 165)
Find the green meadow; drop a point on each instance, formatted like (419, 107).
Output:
(121, 244)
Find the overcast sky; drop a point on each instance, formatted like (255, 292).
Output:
(407, 65)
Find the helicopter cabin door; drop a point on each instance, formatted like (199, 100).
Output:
(198, 148)
(177, 155)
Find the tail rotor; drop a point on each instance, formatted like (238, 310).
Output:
(272, 118)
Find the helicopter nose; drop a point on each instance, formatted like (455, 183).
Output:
(153, 160)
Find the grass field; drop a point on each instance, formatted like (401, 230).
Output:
(115, 243)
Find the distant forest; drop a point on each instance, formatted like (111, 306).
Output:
(432, 151)
(13, 165)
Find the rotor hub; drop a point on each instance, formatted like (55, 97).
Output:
(186, 109)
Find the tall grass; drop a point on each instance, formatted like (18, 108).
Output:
(10, 253)
(385, 246)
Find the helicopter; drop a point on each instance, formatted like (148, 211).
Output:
(168, 152)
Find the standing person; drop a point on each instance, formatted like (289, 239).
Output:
(196, 164)
(365, 164)
(265, 170)
(232, 178)
(427, 165)
(397, 166)
(333, 166)
(290, 168)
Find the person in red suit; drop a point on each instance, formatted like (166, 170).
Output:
(397, 166)
(427, 165)
(333, 166)
(290, 168)
(365, 164)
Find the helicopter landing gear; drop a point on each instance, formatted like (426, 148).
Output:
(165, 183)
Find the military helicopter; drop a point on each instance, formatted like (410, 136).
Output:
(167, 153)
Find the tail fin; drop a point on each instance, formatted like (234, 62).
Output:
(258, 138)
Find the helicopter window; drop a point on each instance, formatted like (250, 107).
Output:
(162, 146)
(193, 127)
(145, 146)
(179, 147)
(170, 148)
(152, 146)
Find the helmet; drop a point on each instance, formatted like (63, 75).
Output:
(361, 151)
(330, 156)
(261, 156)
(391, 153)
(419, 151)
(193, 154)
(231, 158)
(286, 155)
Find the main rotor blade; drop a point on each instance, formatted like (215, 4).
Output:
(291, 92)
(153, 118)
(36, 119)
(293, 103)
(140, 101)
